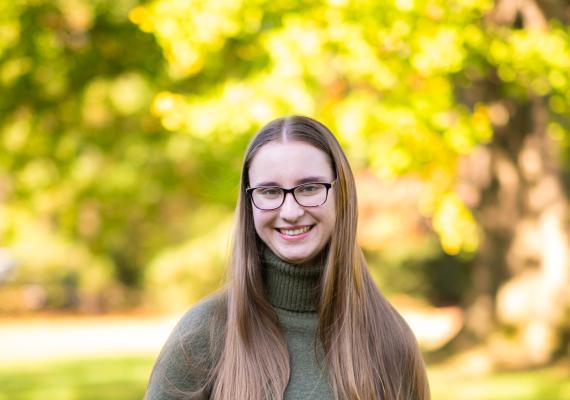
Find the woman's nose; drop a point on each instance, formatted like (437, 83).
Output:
(291, 210)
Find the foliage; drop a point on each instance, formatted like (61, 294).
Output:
(384, 75)
(91, 187)
(123, 123)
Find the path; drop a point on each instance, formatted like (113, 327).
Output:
(48, 338)
(69, 337)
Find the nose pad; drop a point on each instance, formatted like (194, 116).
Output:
(291, 210)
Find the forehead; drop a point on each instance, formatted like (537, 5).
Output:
(289, 163)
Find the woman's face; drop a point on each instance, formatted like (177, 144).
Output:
(284, 230)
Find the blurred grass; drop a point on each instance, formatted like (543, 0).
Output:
(551, 383)
(126, 377)
(110, 378)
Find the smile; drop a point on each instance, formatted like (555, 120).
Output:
(295, 231)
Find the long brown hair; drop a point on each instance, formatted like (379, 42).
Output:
(370, 351)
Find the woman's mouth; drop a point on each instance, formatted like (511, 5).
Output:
(295, 232)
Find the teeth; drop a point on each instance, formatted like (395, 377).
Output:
(295, 232)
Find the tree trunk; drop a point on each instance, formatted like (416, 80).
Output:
(520, 277)
(521, 274)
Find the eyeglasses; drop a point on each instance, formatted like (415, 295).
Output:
(306, 195)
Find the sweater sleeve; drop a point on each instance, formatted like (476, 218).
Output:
(184, 362)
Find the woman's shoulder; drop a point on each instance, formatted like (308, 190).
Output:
(190, 351)
(201, 315)
(205, 309)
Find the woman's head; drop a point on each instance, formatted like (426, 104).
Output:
(286, 153)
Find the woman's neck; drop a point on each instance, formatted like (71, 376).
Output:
(291, 287)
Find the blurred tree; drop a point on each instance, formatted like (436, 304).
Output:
(90, 186)
(471, 96)
(100, 198)
(521, 196)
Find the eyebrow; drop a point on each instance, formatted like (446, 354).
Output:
(308, 179)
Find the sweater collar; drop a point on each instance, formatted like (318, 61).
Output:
(291, 287)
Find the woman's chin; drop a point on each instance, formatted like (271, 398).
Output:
(297, 258)
(292, 259)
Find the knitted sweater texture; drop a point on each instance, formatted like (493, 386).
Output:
(183, 363)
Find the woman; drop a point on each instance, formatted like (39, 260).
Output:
(301, 317)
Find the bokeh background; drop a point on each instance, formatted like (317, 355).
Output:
(122, 130)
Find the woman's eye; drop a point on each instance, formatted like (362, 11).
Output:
(309, 189)
(270, 192)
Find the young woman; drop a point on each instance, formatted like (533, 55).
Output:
(300, 317)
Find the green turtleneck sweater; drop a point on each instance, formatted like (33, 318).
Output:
(291, 291)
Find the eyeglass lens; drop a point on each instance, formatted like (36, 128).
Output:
(309, 195)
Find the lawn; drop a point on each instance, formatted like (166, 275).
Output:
(112, 378)
(552, 383)
(124, 378)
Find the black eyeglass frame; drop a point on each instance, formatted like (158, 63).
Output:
(327, 186)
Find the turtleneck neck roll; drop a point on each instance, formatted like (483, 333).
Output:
(291, 287)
